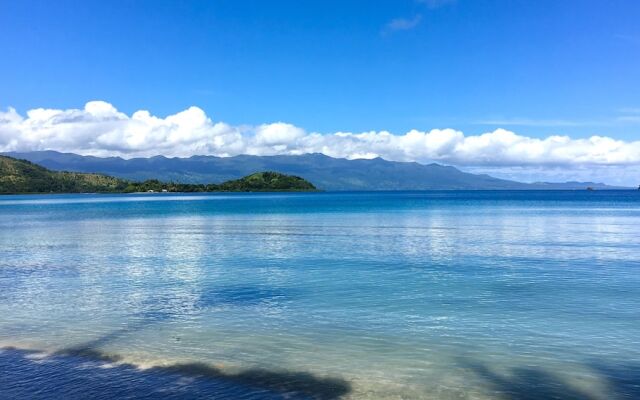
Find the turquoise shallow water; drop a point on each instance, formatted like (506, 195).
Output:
(448, 295)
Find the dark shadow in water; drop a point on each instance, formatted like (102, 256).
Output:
(531, 383)
(242, 296)
(300, 383)
(81, 373)
(623, 379)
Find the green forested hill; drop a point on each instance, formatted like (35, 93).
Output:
(269, 180)
(21, 176)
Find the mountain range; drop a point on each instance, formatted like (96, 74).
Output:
(325, 172)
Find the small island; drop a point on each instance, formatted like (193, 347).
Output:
(22, 176)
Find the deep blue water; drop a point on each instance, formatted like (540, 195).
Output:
(528, 294)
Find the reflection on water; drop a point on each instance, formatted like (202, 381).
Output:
(397, 295)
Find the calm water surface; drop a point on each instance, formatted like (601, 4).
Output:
(444, 295)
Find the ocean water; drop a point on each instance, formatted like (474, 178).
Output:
(434, 295)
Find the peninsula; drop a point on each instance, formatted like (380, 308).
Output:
(22, 176)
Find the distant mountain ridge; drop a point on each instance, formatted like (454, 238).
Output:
(325, 172)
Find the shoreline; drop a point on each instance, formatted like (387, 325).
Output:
(317, 191)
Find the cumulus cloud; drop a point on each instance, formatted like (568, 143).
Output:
(100, 129)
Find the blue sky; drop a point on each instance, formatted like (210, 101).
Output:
(542, 67)
(536, 68)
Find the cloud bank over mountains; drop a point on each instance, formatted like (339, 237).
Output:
(100, 129)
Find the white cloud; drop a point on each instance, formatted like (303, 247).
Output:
(278, 133)
(629, 114)
(403, 24)
(436, 3)
(100, 129)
